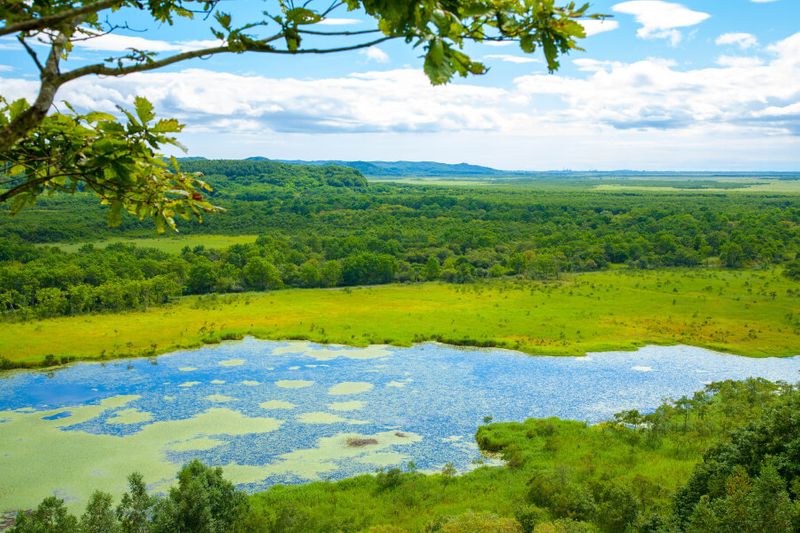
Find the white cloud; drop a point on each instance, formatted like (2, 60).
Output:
(742, 40)
(112, 42)
(498, 43)
(659, 19)
(373, 53)
(6, 68)
(508, 58)
(739, 61)
(656, 94)
(338, 22)
(593, 27)
(763, 1)
(609, 114)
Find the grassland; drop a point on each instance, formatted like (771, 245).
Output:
(169, 243)
(753, 313)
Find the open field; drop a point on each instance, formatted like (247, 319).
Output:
(169, 243)
(753, 313)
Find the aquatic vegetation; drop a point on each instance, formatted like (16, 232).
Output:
(232, 362)
(350, 387)
(277, 404)
(321, 417)
(41, 456)
(219, 398)
(290, 428)
(293, 383)
(129, 416)
(346, 406)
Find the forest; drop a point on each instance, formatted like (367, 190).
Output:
(320, 226)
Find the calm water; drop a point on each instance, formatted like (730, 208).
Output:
(279, 412)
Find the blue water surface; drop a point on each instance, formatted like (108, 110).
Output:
(439, 392)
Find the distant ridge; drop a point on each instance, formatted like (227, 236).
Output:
(433, 169)
(406, 168)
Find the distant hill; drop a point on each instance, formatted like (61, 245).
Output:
(404, 168)
(432, 169)
(252, 179)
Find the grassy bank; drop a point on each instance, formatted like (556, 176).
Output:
(753, 313)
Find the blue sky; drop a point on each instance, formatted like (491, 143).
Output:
(691, 85)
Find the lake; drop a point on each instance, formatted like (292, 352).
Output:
(292, 412)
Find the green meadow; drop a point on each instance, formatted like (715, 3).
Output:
(169, 243)
(752, 313)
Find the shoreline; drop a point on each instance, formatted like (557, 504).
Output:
(463, 347)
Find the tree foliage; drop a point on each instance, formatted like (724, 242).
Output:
(202, 502)
(120, 161)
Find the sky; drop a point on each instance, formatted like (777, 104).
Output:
(691, 85)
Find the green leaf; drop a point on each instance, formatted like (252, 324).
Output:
(301, 15)
(144, 109)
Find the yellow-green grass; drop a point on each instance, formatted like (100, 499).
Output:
(748, 185)
(753, 313)
(166, 243)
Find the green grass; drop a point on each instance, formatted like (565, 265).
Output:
(169, 243)
(753, 313)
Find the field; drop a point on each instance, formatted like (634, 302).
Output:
(168, 243)
(753, 313)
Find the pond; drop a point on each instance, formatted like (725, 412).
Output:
(292, 412)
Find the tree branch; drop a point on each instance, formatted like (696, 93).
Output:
(10, 193)
(312, 32)
(263, 47)
(31, 52)
(51, 21)
(50, 82)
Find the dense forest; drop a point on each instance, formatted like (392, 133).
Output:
(634, 473)
(327, 226)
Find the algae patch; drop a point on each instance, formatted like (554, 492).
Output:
(130, 416)
(328, 456)
(293, 383)
(321, 417)
(350, 387)
(39, 456)
(219, 398)
(332, 351)
(347, 406)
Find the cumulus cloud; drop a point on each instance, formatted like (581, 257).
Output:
(659, 19)
(508, 58)
(593, 27)
(114, 42)
(373, 53)
(742, 40)
(739, 61)
(498, 43)
(654, 93)
(741, 99)
(338, 22)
